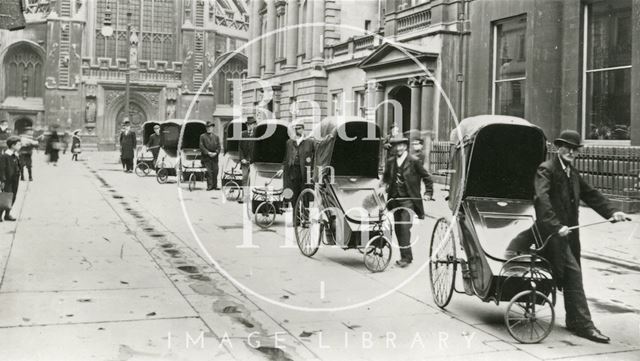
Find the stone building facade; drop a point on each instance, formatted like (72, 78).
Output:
(68, 66)
(558, 63)
(381, 60)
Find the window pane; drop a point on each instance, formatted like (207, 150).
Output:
(609, 34)
(511, 48)
(510, 98)
(608, 108)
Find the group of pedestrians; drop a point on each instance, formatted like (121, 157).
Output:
(16, 155)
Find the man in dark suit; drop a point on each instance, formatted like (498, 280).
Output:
(10, 173)
(210, 148)
(298, 156)
(154, 142)
(402, 176)
(128, 144)
(246, 153)
(558, 192)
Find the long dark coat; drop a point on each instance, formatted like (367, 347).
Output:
(555, 208)
(128, 144)
(413, 173)
(52, 148)
(306, 154)
(9, 172)
(75, 143)
(209, 143)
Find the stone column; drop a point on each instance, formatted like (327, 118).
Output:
(255, 26)
(426, 107)
(380, 108)
(292, 34)
(318, 31)
(308, 49)
(270, 49)
(414, 84)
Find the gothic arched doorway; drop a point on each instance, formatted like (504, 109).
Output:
(23, 72)
(137, 117)
(402, 94)
(20, 125)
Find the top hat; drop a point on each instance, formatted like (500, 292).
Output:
(398, 139)
(569, 138)
(210, 124)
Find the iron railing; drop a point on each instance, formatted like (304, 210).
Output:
(615, 171)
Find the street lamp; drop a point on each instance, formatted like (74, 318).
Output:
(128, 72)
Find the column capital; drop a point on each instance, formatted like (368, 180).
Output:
(426, 81)
(414, 82)
(374, 86)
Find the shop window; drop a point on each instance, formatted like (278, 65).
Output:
(606, 102)
(509, 66)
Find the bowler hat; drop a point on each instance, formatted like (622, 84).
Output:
(251, 121)
(210, 124)
(569, 138)
(398, 139)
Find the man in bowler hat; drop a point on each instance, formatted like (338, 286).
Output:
(298, 156)
(210, 148)
(558, 192)
(128, 144)
(402, 175)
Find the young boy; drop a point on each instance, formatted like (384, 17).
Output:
(10, 173)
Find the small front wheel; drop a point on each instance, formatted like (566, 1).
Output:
(162, 175)
(142, 169)
(232, 191)
(192, 182)
(529, 317)
(377, 254)
(265, 215)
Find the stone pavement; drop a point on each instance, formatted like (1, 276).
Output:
(102, 265)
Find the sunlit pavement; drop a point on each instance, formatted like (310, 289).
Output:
(109, 266)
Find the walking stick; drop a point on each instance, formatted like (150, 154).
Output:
(610, 220)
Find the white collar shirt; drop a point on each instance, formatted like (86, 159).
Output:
(400, 159)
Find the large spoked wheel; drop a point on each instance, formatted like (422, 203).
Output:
(162, 175)
(192, 182)
(142, 169)
(377, 254)
(265, 215)
(307, 223)
(232, 191)
(442, 262)
(529, 317)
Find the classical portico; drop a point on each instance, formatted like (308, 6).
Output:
(399, 89)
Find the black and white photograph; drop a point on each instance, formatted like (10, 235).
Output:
(293, 180)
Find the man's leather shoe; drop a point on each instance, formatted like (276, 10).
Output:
(9, 218)
(592, 334)
(402, 263)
